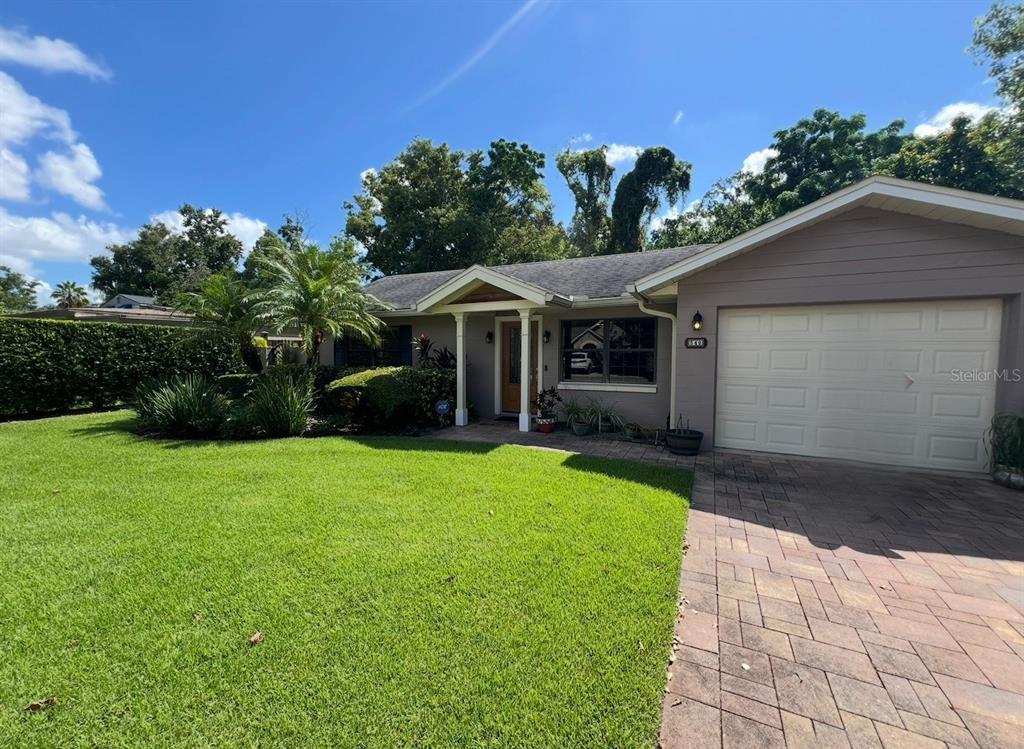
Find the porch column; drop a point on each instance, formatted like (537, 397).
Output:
(461, 412)
(524, 370)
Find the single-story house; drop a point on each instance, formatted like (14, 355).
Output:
(131, 301)
(882, 323)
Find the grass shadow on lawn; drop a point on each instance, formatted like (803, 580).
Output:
(668, 478)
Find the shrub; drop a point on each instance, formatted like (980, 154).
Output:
(392, 396)
(238, 385)
(182, 406)
(1005, 440)
(280, 404)
(49, 366)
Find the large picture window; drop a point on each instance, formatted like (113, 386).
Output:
(610, 350)
(395, 349)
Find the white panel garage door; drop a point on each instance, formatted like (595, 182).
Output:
(870, 382)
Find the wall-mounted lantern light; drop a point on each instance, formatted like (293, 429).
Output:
(489, 337)
(547, 336)
(698, 320)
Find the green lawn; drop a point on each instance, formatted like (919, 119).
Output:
(411, 592)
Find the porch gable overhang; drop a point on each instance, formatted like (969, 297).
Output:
(886, 193)
(525, 294)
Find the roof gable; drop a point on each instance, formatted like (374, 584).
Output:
(886, 193)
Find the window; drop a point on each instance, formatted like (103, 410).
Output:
(395, 349)
(612, 350)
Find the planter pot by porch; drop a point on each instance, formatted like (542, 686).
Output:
(683, 441)
(545, 425)
(581, 428)
(1008, 477)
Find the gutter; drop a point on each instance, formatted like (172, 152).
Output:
(642, 302)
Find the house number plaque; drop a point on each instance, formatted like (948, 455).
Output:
(696, 343)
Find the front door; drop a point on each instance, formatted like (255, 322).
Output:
(511, 346)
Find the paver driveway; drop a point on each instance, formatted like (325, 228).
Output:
(833, 605)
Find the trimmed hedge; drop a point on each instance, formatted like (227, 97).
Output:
(393, 396)
(51, 366)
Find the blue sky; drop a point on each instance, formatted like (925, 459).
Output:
(112, 113)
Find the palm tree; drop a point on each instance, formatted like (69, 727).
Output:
(227, 304)
(70, 294)
(318, 292)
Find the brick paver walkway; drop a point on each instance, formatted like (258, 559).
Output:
(827, 605)
(832, 605)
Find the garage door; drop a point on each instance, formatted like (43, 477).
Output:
(884, 383)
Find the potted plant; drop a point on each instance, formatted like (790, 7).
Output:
(579, 418)
(605, 417)
(683, 440)
(1005, 445)
(547, 403)
(634, 432)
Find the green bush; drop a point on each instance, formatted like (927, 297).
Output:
(182, 406)
(237, 385)
(392, 396)
(280, 404)
(50, 366)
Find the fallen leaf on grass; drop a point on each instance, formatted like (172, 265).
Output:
(256, 639)
(42, 704)
(197, 615)
(641, 644)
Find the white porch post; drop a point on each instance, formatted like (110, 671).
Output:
(524, 370)
(461, 412)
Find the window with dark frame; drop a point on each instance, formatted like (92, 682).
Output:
(395, 349)
(617, 350)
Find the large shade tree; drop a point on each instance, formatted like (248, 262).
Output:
(320, 293)
(435, 208)
(163, 261)
(17, 291)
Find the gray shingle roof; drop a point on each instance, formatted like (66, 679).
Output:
(596, 277)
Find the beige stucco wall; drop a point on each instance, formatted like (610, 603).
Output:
(863, 255)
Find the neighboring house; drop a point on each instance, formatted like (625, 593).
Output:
(131, 301)
(882, 323)
(151, 315)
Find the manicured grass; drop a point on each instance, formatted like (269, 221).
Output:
(410, 592)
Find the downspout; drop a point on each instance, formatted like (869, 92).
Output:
(642, 301)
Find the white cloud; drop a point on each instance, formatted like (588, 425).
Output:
(43, 292)
(53, 55)
(755, 162)
(678, 118)
(23, 116)
(659, 221)
(24, 240)
(945, 116)
(480, 53)
(247, 229)
(73, 175)
(13, 176)
(581, 138)
(618, 153)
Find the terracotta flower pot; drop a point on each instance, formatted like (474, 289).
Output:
(547, 426)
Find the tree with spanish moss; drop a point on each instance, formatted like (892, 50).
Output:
(657, 175)
(589, 177)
